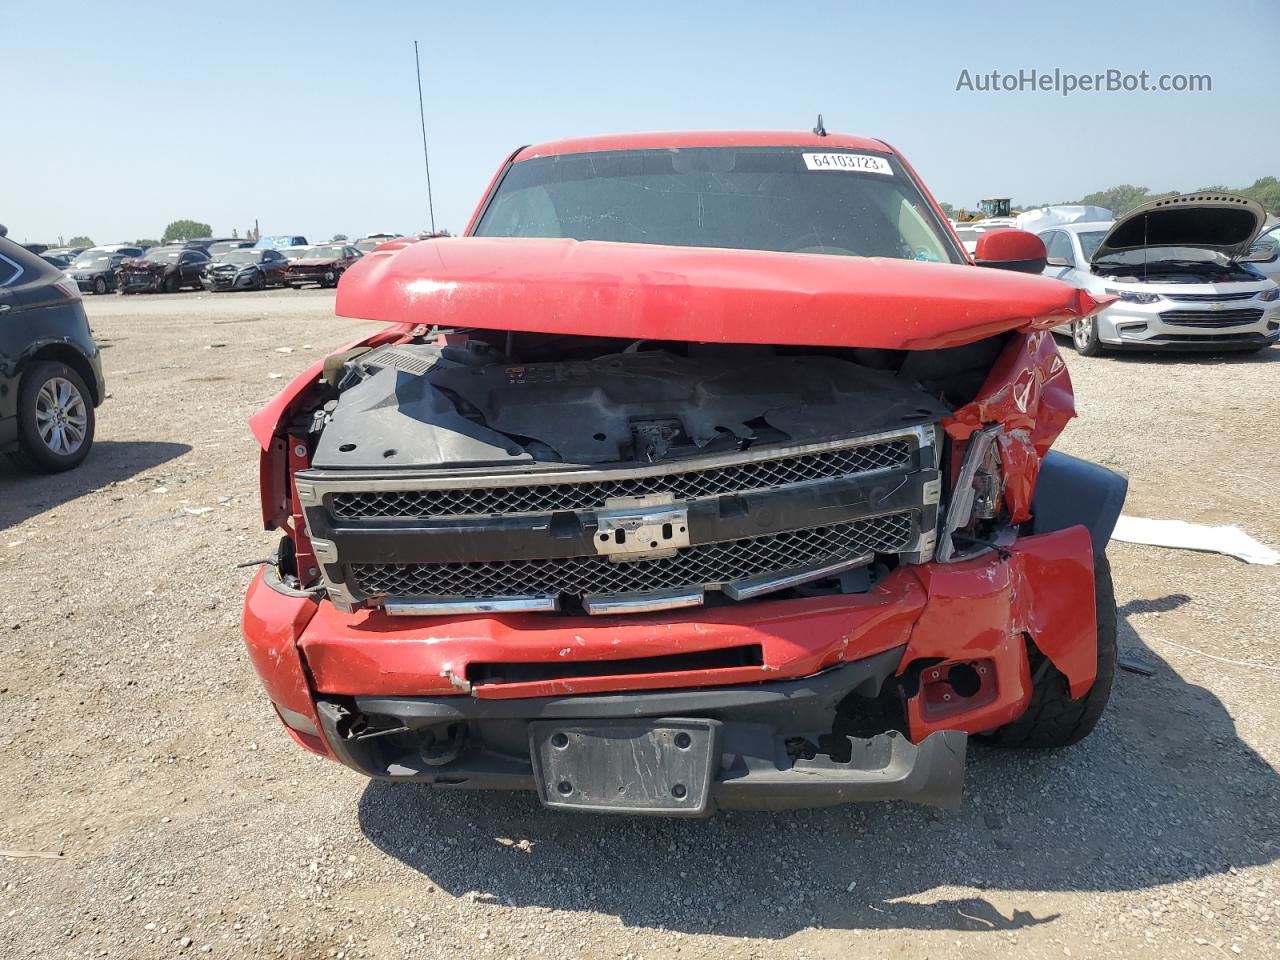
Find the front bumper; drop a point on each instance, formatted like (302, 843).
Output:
(759, 763)
(218, 284)
(824, 667)
(1174, 325)
(140, 282)
(321, 277)
(86, 284)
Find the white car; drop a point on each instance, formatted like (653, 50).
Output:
(1175, 265)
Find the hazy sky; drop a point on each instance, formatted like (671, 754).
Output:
(303, 114)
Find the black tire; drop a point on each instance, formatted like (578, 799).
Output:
(1084, 337)
(171, 283)
(100, 285)
(1054, 719)
(33, 452)
(261, 282)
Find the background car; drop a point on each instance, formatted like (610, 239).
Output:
(51, 376)
(62, 263)
(281, 241)
(323, 263)
(96, 269)
(1174, 265)
(244, 270)
(365, 244)
(166, 269)
(66, 253)
(219, 247)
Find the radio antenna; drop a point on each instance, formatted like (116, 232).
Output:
(422, 118)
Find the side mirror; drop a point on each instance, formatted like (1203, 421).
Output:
(1008, 249)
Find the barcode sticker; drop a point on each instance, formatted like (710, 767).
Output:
(849, 162)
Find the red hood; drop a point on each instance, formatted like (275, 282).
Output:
(640, 291)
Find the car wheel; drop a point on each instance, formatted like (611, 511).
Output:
(260, 281)
(1053, 719)
(100, 285)
(1084, 337)
(55, 418)
(171, 283)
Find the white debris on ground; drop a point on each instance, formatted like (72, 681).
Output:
(1181, 535)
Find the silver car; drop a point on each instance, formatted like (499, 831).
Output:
(1175, 265)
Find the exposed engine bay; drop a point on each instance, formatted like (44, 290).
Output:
(428, 406)
(469, 472)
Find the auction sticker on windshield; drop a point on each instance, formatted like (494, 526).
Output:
(850, 162)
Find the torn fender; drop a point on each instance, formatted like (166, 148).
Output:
(1028, 391)
(982, 610)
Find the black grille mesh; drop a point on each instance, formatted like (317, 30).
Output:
(1211, 318)
(689, 485)
(709, 563)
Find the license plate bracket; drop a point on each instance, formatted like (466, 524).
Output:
(626, 766)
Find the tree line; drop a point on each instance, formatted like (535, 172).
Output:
(1124, 197)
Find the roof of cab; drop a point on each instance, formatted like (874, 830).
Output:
(703, 138)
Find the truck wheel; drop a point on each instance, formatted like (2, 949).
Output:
(55, 418)
(1084, 337)
(1053, 719)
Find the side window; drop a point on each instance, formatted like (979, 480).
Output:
(9, 271)
(1059, 247)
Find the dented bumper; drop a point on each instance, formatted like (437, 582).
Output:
(947, 643)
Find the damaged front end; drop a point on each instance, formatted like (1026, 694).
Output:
(797, 573)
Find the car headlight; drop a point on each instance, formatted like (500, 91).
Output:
(1130, 297)
(976, 499)
(1268, 295)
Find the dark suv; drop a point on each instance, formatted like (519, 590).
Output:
(50, 372)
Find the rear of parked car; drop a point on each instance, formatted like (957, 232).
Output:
(50, 371)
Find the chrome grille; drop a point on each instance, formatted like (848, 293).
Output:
(1209, 297)
(688, 485)
(708, 564)
(1210, 318)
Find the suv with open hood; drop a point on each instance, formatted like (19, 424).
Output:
(1177, 269)
(704, 470)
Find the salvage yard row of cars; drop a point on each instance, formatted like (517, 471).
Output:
(219, 266)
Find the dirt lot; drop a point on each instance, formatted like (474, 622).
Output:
(140, 745)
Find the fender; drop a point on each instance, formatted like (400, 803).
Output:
(1071, 492)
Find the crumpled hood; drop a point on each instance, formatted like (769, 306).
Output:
(1218, 222)
(642, 291)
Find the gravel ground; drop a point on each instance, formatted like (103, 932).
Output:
(142, 748)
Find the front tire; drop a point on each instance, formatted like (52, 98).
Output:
(1053, 719)
(55, 418)
(1084, 337)
(100, 285)
(172, 283)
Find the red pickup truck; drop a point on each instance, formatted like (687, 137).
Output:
(705, 470)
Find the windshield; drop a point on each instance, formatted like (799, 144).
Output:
(315, 253)
(240, 256)
(97, 261)
(756, 198)
(224, 245)
(164, 254)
